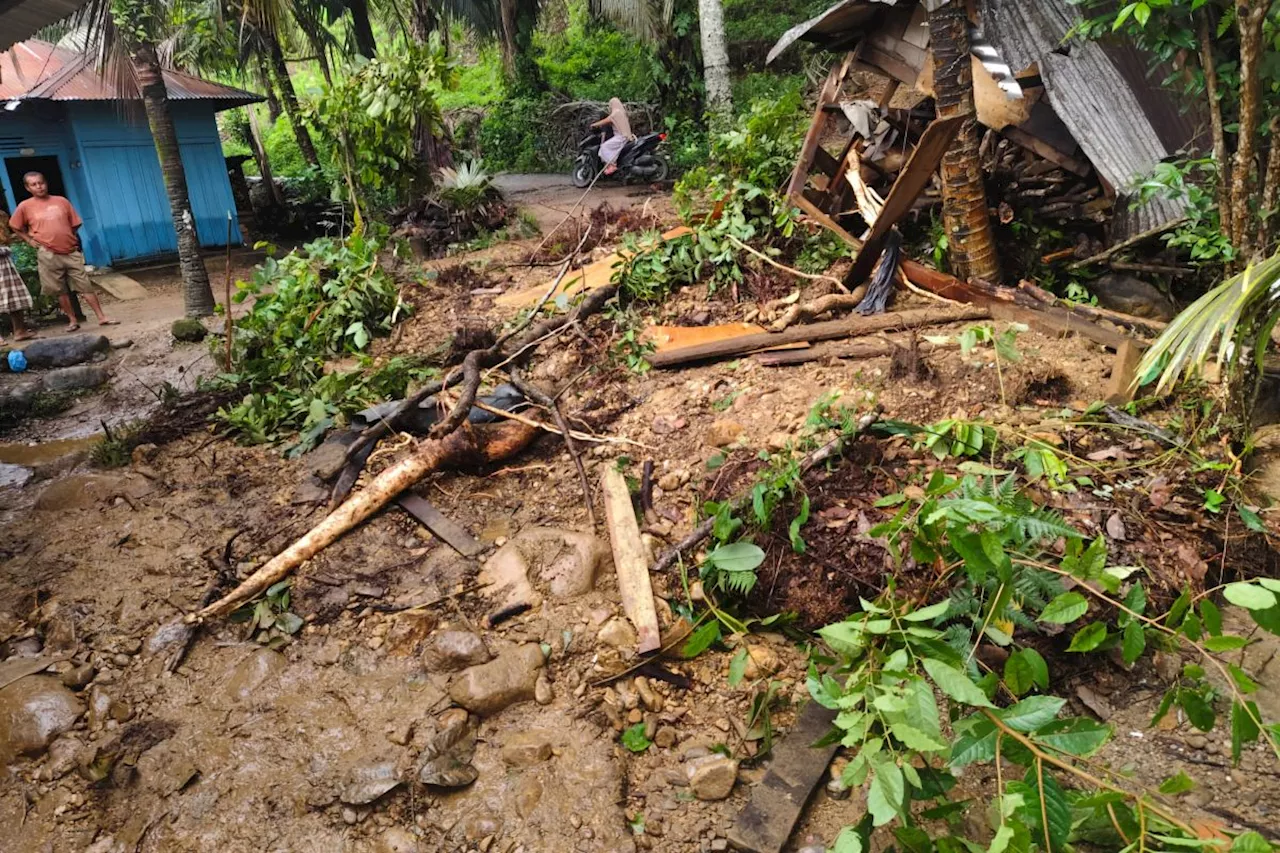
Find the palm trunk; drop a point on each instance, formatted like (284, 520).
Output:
(1210, 69)
(431, 150)
(197, 295)
(971, 248)
(289, 97)
(1251, 15)
(269, 90)
(507, 37)
(715, 58)
(362, 28)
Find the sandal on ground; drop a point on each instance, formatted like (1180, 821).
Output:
(108, 322)
(74, 327)
(29, 336)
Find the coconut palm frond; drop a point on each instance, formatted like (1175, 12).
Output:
(642, 18)
(1238, 315)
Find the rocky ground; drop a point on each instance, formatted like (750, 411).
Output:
(398, 718)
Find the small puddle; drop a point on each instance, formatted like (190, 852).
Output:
(40, 453)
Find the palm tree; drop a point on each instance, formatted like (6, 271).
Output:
(971, 249)
(715, 59)
(511, 23)
(654, 23)
(125, 34)
(1238, 315)
(432, 151)
(362, 28)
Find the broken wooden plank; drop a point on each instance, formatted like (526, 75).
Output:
(1120, 387)
(912, 180)
(441, 526)
(766, 822)
(630, 558)
(813, 136)
(120, 286)
(1124, 244)
(826, 331)
(1052, 321)
(592, 276)
(1043, 149)
(675, 337)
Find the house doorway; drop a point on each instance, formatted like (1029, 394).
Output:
(48, 166)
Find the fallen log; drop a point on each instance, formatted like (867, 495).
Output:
(806, 311)
(739, 502)
(837, 349)
(465, 446)
(848, 327)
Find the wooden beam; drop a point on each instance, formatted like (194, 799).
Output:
(766, 822)
(630, 558)
(446, 529)
(1120, 387)
(912, 180)
(848, 327)
(1043, 149)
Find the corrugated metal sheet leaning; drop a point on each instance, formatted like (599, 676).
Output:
(21, 19)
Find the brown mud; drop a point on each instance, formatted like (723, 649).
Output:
(321, 744)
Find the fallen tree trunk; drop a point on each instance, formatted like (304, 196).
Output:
(868, 349)
(465, 446)
(849, 327)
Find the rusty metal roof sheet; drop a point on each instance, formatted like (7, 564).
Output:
(835, 29)
(40, 71)
(21, 19)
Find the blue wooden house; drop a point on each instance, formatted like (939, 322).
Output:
(59, 116)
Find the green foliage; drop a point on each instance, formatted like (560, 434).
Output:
(478, 84)
(514, 137)
(635, 739)
(589, 61)
(732, 567)
(269, 619)
(1193, 182)
(373, 110)
(324, 301)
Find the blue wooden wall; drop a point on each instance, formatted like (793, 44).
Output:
(113, 174)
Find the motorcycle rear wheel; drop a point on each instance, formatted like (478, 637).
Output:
(583, 172)
(663, 170)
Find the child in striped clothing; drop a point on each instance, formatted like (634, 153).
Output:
(14, 296)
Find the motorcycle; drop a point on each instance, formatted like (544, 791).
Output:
(639, 160)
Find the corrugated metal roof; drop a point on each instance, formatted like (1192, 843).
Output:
(1097, 103)
(21, 19)
(39, 70)
(840, 24)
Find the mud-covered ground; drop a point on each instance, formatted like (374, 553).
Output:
(321, 744)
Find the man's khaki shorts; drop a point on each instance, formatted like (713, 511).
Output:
(60, 273)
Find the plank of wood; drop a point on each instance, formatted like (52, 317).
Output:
(674, 337)
(592, 276)
(847, 327)
(120, 285)
(1043, 149)
(1120, 387)
(766, 822)
(12, 670)
(441, 526)
(1053, 321)
(630, 558)
(813, 136)
(912, 180)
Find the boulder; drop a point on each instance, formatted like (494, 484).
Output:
(566, 561)
(1129, 295)
(33, 711)
(64, 352)
(188, 330)
(509, 678)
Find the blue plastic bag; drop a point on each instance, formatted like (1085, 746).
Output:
(17, 361)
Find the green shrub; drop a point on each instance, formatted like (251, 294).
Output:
(513, 136)
(766, 86)
(596, 63)
(476, 85)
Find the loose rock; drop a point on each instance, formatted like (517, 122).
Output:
(525, 749)
(449, 651)
(712, 776)
(723, 432)
(33, 711)
(617, 632)
(509, 678)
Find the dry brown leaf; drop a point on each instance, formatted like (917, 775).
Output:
(1115, 527)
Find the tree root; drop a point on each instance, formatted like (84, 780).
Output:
(465, 446)
(811, 310)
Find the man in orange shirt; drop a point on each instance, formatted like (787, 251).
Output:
(49, 224)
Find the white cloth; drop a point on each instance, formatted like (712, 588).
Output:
(612, 147)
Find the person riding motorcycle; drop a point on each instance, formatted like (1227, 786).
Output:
(612, 147)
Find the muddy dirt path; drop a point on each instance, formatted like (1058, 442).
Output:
(399, 717)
